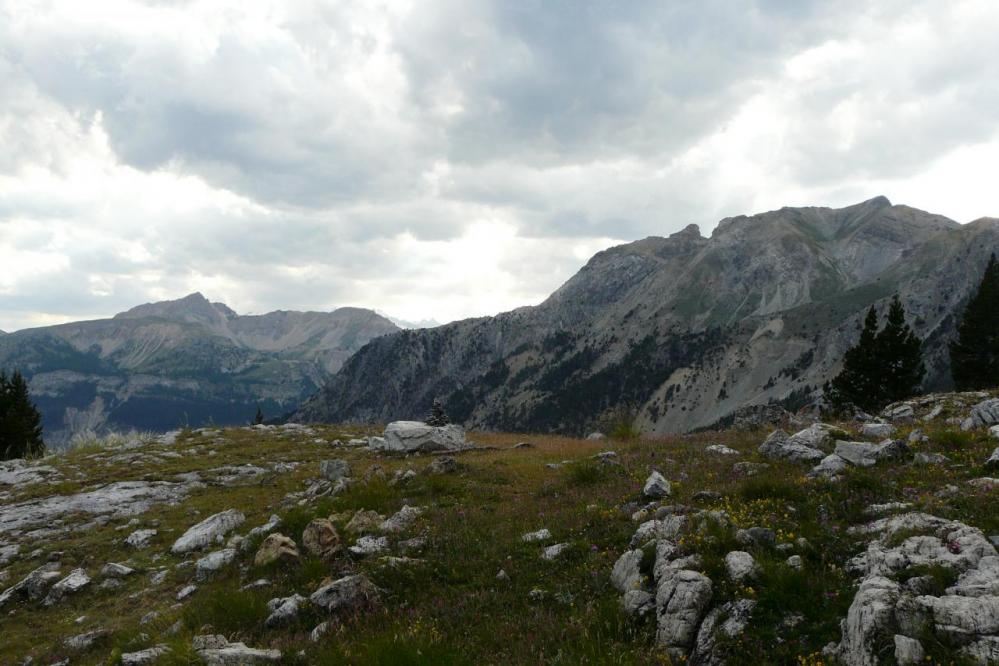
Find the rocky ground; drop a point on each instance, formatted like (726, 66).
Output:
(871, 541)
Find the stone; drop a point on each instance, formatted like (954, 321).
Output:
(963, 618)
(284, 610)
(740, 566)
(596, 436)
(779, 446)
(866, 454)
(262, 530)
(908, 651)
(208, 531)
(749, 468)
(540, 535)
(553, 552)
(706, 496)
(668, 529)
(8, 552)
(902, 413)
(401, 520)
(682, 598)
(795, 562)
(115, 570)
(351, 593)
(238, 654)
(151, 616)
(638, 603)
(142, 657)
(416, 436)
(721, 449)
(725, 622)
(759, 537)
(365, 520)
(983, 415)
(186, 592)
(816, 436)
(877, 430)
(320, 538)
(415, 544)
(369, 545)
(503, 576)
(993, 460)
(71, 584)
(85, 641)
(213, 562)
(335, 469)
(121, 499)
(626, 574)
(657, 487)
(442, 465)
(276, 548)
(140, 539)
(403, 477)
(829, 467)
(928, 458)
(917, 437)
(870, 616)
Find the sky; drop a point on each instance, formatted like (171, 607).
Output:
(443, 159)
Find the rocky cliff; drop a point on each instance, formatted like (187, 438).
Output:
(184, 362)
(676, 333)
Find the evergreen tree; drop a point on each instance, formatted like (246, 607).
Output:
(20, 422)
(259, 418)
(900, 355)
(437, 417)
(882, 367)
(857, 382)
(974, 356)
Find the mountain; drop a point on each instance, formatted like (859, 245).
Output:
(184, 362)
(675, 334)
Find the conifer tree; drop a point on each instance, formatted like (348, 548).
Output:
(974, 356)
(20, 422)
(857, 383)
(259, 418)
(900, 355)
(882, 367)
(437, 417)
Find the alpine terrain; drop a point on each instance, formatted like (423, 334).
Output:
(185, 362)
(679, 333)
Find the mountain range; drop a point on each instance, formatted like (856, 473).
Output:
(679, 333)
(184, 362)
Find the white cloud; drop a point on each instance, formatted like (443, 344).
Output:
(445, 159)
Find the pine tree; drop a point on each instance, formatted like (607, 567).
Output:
(900, 355)
(974, 356)
(259, 418)
(20, 422)
(857, 383)
(437, 417)
(882, 367)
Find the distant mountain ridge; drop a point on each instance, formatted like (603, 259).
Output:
(182, 362)
(678, 333)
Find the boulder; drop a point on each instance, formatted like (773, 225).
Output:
(657, 487)
(829, 467)
(994, 431)
(401, 520)
(284, 610)
(721, 449)
(276, 547)
(540, 535)
(416, 436)
(335, 469)
(877, 430)
(213, 562)
(208, 531)
(442, 465)
(140, 539)
(682, 598)
(740, 566)
(351, 593)
(866, 454)
(627, 574)
(721, 625)
(364, 520)
(71, 584)
(993, 460)
(85, 641)
(596, 436)
(147, 656)
(749, 468)
(554, 552)
(778, 446)
(115, 570)
(902, 413)
(870, 617)
(369, 545)
(237, 654)
(320, 538)
(819, 436)
(638, 603)
(927, 458)
(758, 537)
(908, 651)
(983, 415)
(186, 592)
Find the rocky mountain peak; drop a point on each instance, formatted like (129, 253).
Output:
(193, 308)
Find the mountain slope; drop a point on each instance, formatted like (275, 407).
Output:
(676, 333)
(182, 362)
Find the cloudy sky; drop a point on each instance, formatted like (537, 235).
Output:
(449, 158)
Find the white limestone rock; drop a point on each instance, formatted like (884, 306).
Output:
(740, 566)
(544, 534)
(778, 446)
(208, 531)
(416, 436)
(682, 598)
(657, 487)
(71, 584)
(626, 574)
(211, 563)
